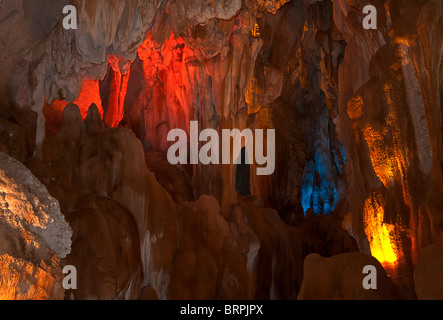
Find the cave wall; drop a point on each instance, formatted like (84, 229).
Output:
(358, 123)
(393, 111)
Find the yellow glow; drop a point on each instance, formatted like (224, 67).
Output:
(253, 96)
(21, 280)
(256, 31)
(379, 233)
(251, 92)
(383, 161)
(384, 140)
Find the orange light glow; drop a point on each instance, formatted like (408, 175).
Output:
(251, 96)
(355, 108)
(89, 94)
(118, 90)
(170, 73)
(380, 234)
(256, 95)
(21, 280)
(256, 31)
(382, 158)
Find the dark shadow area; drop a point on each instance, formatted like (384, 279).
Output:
(242, 175)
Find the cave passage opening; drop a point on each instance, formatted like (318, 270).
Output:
(242, 174)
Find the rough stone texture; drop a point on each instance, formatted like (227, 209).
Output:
(341, 278)
(13, 140)
(246, 252)
(357, 115)
(34, 235)
(272, 5)
(428, 274)
(107, 234)
(24, 280)
(207, 247)
(110, 163)
(390, 124)
(217, 80)
(27, 205)
(278, 271)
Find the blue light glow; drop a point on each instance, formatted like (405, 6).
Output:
(320, 184)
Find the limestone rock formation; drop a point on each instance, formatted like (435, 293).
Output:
(141, 238)
(341, 278)
(34, 236)
(389, 113)
(107, 234)
(428, 277)
(357, 116)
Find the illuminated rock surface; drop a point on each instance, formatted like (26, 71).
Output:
(358, 123)
(34, 235)
(340, 278)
